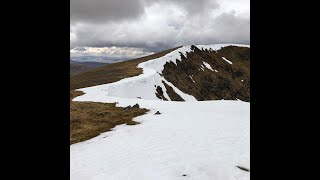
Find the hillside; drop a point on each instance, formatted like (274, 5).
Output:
(212, 74)
(187, 73)
(80, 67)
(89, 119)
(193, 118)
(112, 73)
(203, 73)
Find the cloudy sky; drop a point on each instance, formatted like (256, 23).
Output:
(124, 29)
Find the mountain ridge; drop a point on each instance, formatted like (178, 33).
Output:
(203, 72)
(168, 131)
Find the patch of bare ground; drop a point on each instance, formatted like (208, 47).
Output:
(90, 119)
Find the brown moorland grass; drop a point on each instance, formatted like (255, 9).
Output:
(90, 119)
(113, 72)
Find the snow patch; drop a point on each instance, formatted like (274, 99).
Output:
(184, 96)
(192, 79)
(202, 67)
(158, 63)
(207, 65)
(227, 60)
(204, 140)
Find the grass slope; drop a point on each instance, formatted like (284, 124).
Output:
(89, 119)
(80, 67)
(113, 72)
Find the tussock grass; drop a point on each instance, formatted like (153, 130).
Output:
(89, 119)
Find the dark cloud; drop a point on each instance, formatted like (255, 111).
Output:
(191, 6)
(155, 25)
(97, 11)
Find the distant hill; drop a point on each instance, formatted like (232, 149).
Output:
(79, 67)
(112, 72)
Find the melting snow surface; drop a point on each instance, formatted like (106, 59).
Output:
(199, 140)
(227, 60)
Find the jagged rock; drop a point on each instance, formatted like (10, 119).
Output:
(136, 106)
(157, 113)
(171, 93)
(217, 84)
(159, 93)
(127, 108)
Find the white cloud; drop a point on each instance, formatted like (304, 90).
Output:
(111, 52)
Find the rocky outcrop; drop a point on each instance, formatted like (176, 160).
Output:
(211, 75)
(159, 93)
(171, 93)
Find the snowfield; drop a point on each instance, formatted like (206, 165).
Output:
(197, 140)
